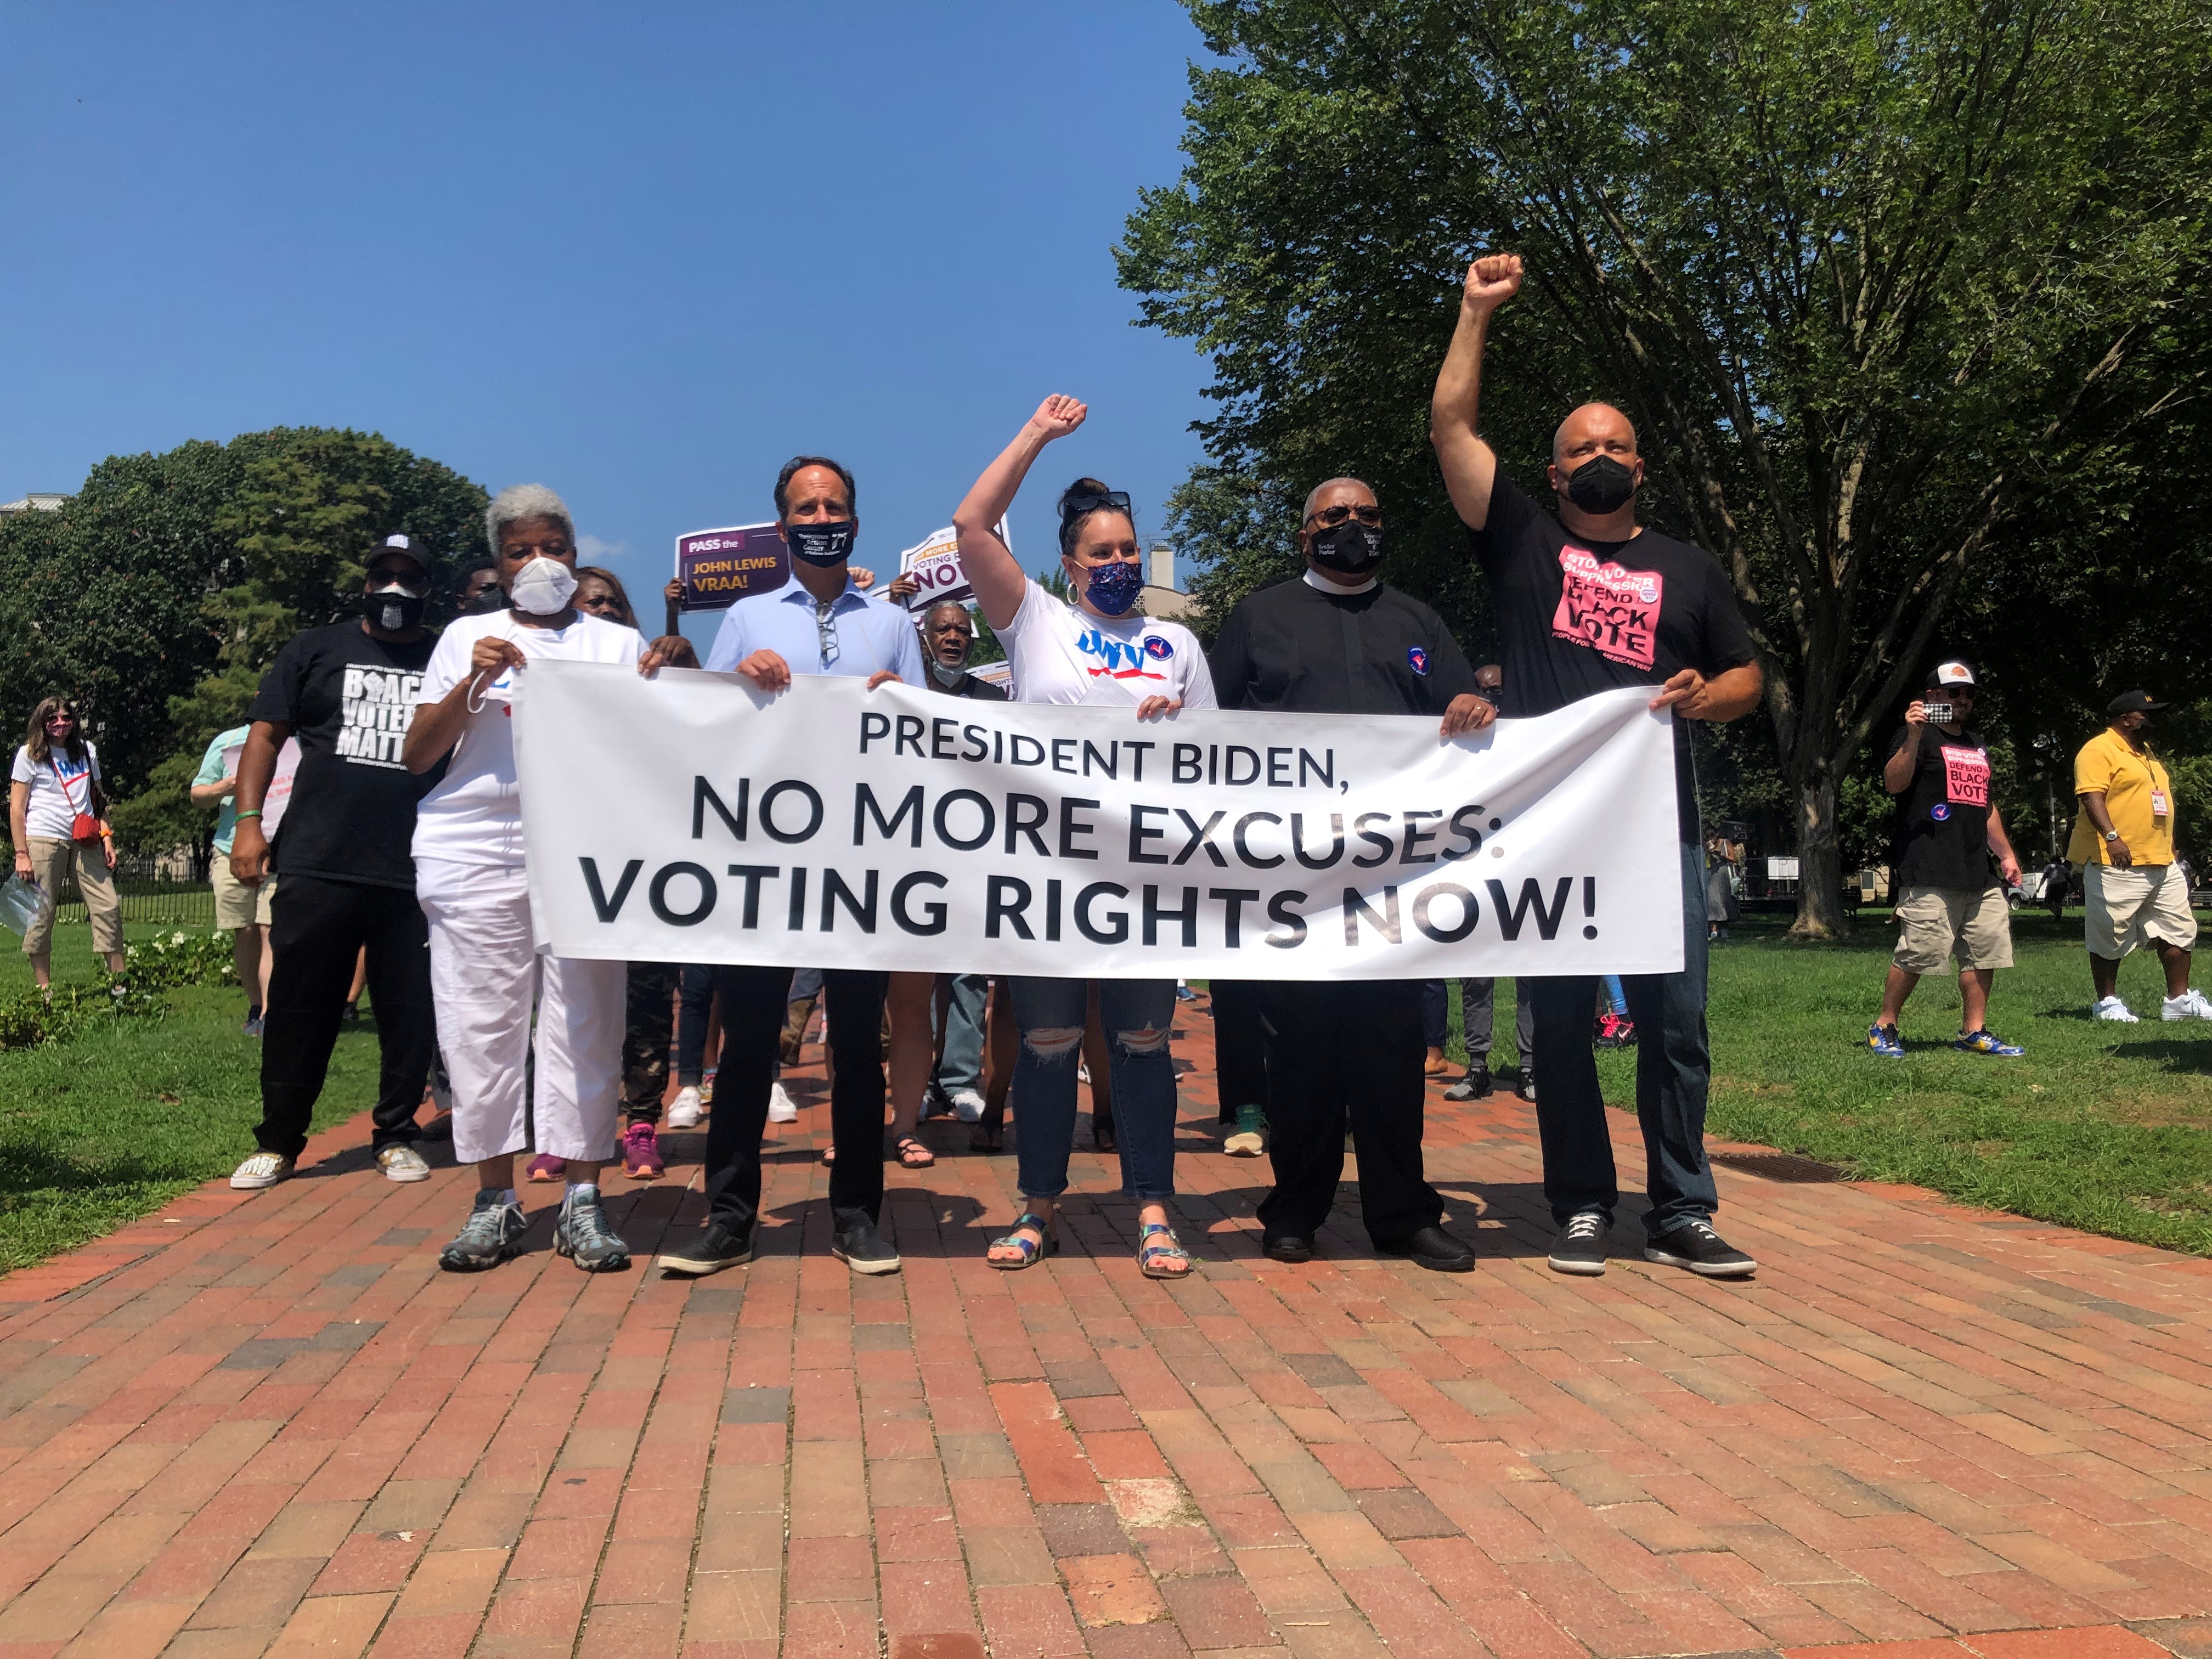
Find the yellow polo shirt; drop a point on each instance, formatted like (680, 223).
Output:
(2138, 798)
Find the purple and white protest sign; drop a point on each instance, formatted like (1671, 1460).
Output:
(718, 568)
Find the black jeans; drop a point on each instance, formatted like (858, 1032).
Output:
(695, 986)
(317, 928)
(753, 1002)
(1240, 1046)
(1338, 1050)
(1673, 1066)
(645, 1031)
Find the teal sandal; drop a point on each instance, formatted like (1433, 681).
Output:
(1032, 1253)
(1157, 1244)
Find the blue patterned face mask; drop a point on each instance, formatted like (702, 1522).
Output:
(1113, 588)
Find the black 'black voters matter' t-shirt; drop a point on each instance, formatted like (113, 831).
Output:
(1576, 617)
(349, 699)
(1942, 837)
(1290, 648)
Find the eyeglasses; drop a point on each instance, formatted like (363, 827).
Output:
(1334, 516)
(1076, 505)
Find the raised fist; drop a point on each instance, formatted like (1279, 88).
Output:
(1057, 416)
(1493, 280)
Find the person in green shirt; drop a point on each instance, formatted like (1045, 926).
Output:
(239, 910)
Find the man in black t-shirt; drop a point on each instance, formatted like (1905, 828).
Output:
(1336, 642)
(1947, 900)
(1589, 600)
(347, 693)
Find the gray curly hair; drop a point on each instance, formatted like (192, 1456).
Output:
(519, 501)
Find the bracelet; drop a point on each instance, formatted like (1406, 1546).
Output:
(239, 817)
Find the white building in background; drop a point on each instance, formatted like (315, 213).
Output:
(1161, 597)
(36, 501)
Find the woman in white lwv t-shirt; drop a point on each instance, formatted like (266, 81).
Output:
(485, 971)
(1097, 650)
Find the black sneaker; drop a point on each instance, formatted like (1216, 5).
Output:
(1435, 1249)
(492, 1234)
(857, 1244)
(1526, 1088)
(1696, 1246)
(717, 1245)
(1286, 1247)
(1580, 1247)
(1473, 1087)
(582, 1234)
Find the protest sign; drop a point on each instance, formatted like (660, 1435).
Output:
(689, 818)
(935, 567)
(718, 568)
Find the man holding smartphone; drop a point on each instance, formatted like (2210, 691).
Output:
(1948, 901)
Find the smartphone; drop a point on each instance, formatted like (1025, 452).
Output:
(1938, 713)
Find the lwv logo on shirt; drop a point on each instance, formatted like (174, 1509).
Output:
(1123, 660)
(378, 705)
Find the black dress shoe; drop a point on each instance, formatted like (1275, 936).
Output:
(1434, 1248)
(1286, 1247)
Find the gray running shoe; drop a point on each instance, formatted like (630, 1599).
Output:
(582, 1234)
(493, 1234)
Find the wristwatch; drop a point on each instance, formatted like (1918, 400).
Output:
(2112, 835)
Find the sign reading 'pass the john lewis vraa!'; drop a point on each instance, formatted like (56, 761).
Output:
(718, 568)
(689, 818)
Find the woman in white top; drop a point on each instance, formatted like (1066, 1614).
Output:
(1098, 651)
(485, 971)
(53, 795)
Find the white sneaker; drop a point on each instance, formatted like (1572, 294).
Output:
(2113, 1008)
(966, 1106)
(262, 1169)
(399, 1162)
(781, 1107)
(684, 1111)
(2189, 1004)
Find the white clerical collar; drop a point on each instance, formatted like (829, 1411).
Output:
(1322, 584)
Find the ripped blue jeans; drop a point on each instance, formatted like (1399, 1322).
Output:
(1137, 1014)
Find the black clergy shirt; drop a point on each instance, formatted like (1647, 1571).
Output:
(1290, 648)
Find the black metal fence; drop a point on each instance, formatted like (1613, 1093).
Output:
(152, 889)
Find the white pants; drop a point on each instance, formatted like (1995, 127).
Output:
(485, 973)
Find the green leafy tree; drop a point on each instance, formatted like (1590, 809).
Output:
(160, 593)
(1881, 287)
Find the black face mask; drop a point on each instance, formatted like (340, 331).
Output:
(1350, 549)
(494, 598)
(393, 612)
(825, 544)
(1601, 485)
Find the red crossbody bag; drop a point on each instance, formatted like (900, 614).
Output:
(83, 826)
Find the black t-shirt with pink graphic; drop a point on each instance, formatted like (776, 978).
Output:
(1576, 617)
(1942, 835)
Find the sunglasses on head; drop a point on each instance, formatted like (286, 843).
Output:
(1075, 506)
(1334, 516)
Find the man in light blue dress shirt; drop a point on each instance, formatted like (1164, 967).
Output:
(818, 624)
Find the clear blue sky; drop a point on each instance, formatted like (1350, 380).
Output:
(642, 254)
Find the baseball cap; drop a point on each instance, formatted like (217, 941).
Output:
(1952, 673)
(2134, 702)
(403, 544)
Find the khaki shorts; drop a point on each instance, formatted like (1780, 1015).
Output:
(237, 905)
(52, 861)
(1934, 923)
(2127, 907)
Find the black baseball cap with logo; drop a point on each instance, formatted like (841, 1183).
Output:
(2134, 702)
(1951, 672)
(400, 546)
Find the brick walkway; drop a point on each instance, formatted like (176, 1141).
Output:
(268, 1425)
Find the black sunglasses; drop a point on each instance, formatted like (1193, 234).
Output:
(1334, 516)
(1074, 506)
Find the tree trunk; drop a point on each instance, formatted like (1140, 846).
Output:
(1820, 913)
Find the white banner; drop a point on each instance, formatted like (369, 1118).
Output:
(692, 819)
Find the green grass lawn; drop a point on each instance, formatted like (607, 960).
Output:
(112, 1125)
(2104, 1127)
